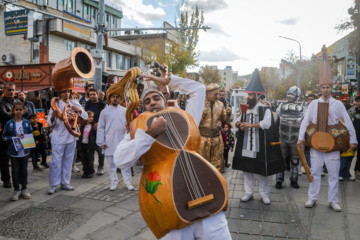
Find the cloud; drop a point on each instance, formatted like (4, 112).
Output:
(139, 12)
(220, 55)
(210, 5)
(289, 21)
(218, 30)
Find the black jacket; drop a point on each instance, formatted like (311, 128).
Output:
(6, 106)
(102, 105)
(92, 139)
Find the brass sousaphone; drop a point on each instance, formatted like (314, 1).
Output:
(80, 64)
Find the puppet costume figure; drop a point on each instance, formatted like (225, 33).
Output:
(254, 152)
(323, 117)
(212, 147)
(289, 116)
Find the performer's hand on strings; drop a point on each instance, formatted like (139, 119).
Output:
(158, 127)
(76, 109)
(55, 112)
(103, 146)
(160, 80)
(300, 142)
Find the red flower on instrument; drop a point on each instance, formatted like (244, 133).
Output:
(154, 176)
(152, 182)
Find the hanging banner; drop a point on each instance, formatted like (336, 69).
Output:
(345, 89)
(16, 22)
(350, 67)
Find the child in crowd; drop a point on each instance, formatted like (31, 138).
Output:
(345, 164)
(18, 127)
(229, 143)
(40, 140)
(87, 145)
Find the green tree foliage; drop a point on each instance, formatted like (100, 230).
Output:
(210, 75)
(352, 23)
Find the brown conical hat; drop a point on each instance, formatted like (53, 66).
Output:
(325, 73)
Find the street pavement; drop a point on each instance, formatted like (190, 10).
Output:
(91, 211)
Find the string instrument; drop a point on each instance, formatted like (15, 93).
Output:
(178, 186)
(80, 64)
(324, 137)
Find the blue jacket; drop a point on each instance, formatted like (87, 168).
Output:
(10, 132)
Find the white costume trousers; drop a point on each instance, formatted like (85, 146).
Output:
(264, 184)
(61, 163)
(212, 228)
(126, 172)
(332, 163)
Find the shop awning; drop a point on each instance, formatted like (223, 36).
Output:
(27, 89)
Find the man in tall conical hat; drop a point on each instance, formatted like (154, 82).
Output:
(336, 111)
(212, 147)
(253, 152)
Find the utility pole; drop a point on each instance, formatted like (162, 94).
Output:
(99, 45)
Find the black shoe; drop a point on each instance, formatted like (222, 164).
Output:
(278, 185)
(7, 184)
(45, 165)
(90, 176)
(294, 184)
(118, 170)
(227, 165)
(132, 172)
(84, 176)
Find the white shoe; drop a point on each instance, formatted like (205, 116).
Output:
(300, 173)
(341, 179)
(25, 194)
(352, 178)
(265, 200)
(130, 187)
(247, 197)
(335, 207)
(322, 174)
(113, 187)
(75, 169)
(52, 190)
(310, 203)
(15, 195)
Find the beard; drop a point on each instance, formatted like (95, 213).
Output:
(251, 103)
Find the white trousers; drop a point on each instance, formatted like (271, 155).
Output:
(264, 184)
(332, 163)
(61, 163)
(212, 228)
(126, 172)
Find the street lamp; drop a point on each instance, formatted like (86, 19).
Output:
(294, 41)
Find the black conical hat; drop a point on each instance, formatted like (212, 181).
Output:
(255, 85)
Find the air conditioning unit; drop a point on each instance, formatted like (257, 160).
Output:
(8, 58)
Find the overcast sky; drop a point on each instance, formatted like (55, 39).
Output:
(245, 33)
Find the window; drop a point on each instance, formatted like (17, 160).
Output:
(69, 45)
(35, 51)
(70, 4)
(93, 13)
(108, 58)
(127, 62)
(224, 73)
(120, 62)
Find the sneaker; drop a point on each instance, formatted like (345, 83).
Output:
(300, 173)
(341, 179)
(130, 187)
(278, 185)
(37, 169)
(45, 165)
(90, 176)
(265, 200)
(310, 203)
(25, 194)
(15, 195)
(52, 190)
(7, 184)
(67, 187)
(352, 178)
(247, 197)
(84, 176)
(113, 187)
(100, 171)
(294, 184)
(75, 169)
(334, 206)
(322, 174)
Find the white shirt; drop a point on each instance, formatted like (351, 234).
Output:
(111, 128)
(129, 151)
(60, 135)
(336, 111)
